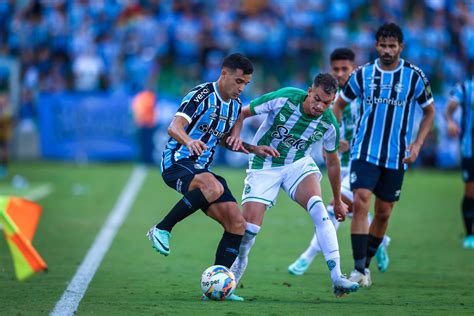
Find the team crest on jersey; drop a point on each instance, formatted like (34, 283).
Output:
(398, 87)
(247, 189)
(317, 135)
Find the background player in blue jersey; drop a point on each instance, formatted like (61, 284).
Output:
(389, 87)
(342, 65)
(204, 119)
(463, 94)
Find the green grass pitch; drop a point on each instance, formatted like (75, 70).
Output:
(429, 273)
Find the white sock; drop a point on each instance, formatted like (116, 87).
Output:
(312, 250)
(326, 234)
(332, 216)
(314, 247)
(251, 231)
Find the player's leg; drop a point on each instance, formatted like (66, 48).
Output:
(302, 184)
(468, 202)
(253, 214)
(199, 188)
(260, 191)
(387, 192)
(363, 178)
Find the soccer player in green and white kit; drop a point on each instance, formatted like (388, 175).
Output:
(342, 65)
(296, 119)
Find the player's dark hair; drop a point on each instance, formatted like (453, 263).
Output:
(342, 54)
(238, 61)
(389, 30)
(327, 82)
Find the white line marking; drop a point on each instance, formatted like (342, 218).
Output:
(72, 296)
(40, 192)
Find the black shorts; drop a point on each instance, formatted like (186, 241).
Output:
(467, 165)
(179, 175)
(385, 183)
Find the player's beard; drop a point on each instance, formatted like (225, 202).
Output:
(387, 60)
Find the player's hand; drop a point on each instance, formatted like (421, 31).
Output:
(236, 144)
(453, 129)
(340, 210)
(196, 147)
(343, 146)
(265, 151)
(413, 151)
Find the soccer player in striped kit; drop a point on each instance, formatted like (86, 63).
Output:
(204, 119)
(342, 65)
(463, 95)
(389, 87)
(296, 119)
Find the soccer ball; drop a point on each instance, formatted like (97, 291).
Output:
(217, 282)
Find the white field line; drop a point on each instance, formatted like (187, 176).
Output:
(40, 192)
(77, 287)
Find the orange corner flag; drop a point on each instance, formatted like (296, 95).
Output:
(19, 218)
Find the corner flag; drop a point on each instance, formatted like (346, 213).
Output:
(19, 218)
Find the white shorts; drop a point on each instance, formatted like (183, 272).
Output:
(262, 185)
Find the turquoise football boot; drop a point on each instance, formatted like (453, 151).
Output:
(160, 240)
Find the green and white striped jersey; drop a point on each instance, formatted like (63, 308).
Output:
(289, 130)
(348, 125)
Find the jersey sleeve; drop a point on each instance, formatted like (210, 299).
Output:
(456, 93)
(352, 88)
(192, 105)
(424, 96)
(331, 137)
(270, 101)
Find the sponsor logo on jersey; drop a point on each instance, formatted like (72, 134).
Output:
(281, 117)
(198, 98)
(287, 139)
(291, 105)
(205, 128)
(388, 101)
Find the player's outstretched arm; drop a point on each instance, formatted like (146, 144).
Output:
(246, 148)
(425, 127)
(453, 128)
(177, 130)
(334, 174)
(233, 141)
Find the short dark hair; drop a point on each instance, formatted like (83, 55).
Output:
(238, 61)
(389, 30)
(327, 82)
(342, 54)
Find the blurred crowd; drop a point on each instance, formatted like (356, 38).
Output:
(170, 46)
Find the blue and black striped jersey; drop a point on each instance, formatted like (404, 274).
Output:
(385, 123)
(463, 94)
(209, 117)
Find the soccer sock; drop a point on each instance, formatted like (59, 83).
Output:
(228, 249)
(468, 214)
(359, 251)
(190, 203)
(248, 240)
(373, 244)
(326, 234)
(332, 217)
(312, 250)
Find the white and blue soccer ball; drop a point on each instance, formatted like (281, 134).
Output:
(217, 282)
